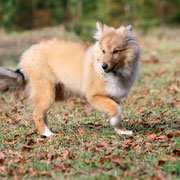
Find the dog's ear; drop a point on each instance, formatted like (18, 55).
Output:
(121, 29)
(129, 28)
(125, 30)
(100, 29)
(99, 26)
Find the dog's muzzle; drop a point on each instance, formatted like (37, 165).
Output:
(106, 68)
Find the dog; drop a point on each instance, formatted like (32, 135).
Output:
(103, 72)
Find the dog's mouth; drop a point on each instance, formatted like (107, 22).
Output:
(111, 69)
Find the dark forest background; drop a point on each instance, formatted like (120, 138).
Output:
(81, 15)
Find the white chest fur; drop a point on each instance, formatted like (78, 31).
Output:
(119, 86)
(115, 88)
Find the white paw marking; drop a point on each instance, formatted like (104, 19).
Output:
(124, 132)
(116, 120)
(48, 132)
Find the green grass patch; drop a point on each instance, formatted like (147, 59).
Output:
(86, 146)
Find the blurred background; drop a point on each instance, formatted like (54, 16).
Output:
(25, 22)
(81, 15)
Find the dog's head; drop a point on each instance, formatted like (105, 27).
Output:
(116, 47)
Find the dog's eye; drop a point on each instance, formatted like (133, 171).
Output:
(115, 51)
(103, 51)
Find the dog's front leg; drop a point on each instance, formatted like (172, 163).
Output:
(109, 106)
(117, 124)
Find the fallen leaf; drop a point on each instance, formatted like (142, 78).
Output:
(12, 151)
(82, 131)
(177, 151)
(26, 148)
(11, 172)
(147, 144)
(129, 174)
(116, 158)
(152, 60)
(128, 141)
(140, 140)
(62, 167)
(46, 174)
(104, 160)
(7, 130)
(31, 133)
(2, 155)
(159, 176)
(160, 71)
(173, 134)
(1, 161)
(137, 148)
(161, 137)
(103, 144)
(152, 136)
(3, 168)
(70, 104)
(67, 154)
(161, 163)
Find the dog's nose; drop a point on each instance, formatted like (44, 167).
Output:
(105, 66)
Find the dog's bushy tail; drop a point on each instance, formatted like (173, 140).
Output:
(15, 78)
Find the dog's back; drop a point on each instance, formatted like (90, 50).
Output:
(56, 61)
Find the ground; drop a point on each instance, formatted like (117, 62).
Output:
(86, 147)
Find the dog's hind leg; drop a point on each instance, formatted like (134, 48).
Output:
(43, 96)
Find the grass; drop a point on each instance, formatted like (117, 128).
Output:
(86, 146)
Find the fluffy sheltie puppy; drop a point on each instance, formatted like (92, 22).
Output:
(103, 72)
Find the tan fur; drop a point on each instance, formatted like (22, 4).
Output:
(55, 68)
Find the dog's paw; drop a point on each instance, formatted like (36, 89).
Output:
(47, 132)
(121, 132)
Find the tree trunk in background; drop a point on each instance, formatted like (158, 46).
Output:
(127, 12)
(34, 8)
(68, 12)
(160, 11)
(80, 14)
